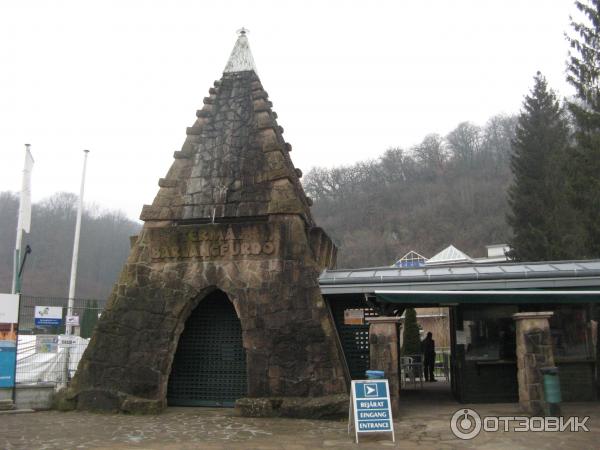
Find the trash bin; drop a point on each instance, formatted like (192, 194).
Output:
(552, 390)
(375, 374)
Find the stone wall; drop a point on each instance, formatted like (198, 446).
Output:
(234, 162)
(268, 272)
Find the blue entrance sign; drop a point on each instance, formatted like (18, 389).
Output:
(370, 402)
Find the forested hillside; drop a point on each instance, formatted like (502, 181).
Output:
(446, 190)
(103, 249)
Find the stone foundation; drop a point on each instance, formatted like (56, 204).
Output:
(327, 407)
(287, 332)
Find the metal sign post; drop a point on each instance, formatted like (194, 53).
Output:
(73, 279)
(370, 408)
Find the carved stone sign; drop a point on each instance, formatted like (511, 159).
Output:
(215, 241)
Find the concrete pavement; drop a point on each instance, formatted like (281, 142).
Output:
(420, 426)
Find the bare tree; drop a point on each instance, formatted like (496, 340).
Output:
(464, 142)
(431, 154)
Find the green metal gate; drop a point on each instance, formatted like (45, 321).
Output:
(354, 338)
(209, 368)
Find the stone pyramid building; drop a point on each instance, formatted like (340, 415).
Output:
(219, 298)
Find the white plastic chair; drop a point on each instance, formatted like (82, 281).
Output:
(406, 363)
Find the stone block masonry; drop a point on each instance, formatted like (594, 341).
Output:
(384, 339)
(534, 351)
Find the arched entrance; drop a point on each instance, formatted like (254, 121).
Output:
(209, 368)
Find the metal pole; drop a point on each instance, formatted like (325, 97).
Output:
(69, 328)
(17, 256)
(16, 261)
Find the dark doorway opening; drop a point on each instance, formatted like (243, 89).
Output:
(354, 341)
(209, 367)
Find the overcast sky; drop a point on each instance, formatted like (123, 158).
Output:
(347, 79)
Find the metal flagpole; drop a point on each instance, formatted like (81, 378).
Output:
(24, 219)
(72, 282)
(69, 328)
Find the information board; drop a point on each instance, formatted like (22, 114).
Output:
(48, 315)
(46, 343)
(370, 407)
(67, 341)
(9, 308)
(354, 317)
(72, 320)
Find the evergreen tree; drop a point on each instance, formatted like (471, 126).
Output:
(411, 338)
(584, 162)
(543, 227)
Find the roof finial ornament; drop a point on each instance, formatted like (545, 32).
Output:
(241, 59)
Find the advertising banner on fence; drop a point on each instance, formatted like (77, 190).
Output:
(48, 315)
(9, 318)
(46, 343)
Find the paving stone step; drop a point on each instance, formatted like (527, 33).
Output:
(6, 405)
(16, 411)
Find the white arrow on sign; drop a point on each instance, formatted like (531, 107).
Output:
(370, 390)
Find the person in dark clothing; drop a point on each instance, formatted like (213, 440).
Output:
(428, 350)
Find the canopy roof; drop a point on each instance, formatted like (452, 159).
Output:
(506, 276)
(491, 296)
